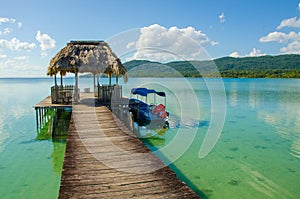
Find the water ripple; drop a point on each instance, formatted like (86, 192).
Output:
(295, 149)
(176, 122)
(3, 135)
(265, 185)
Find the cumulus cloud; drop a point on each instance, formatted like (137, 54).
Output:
(19, 68)
(5, 31)
(222, 17)
(234, 54)
(15, 44)
(46, 42)
(3, 56)
(7, 20)
(256, 53)
(280, 37)
(292, 48)
(292, 22)
(7, 25)
(21, 58)
(291, 38)
(162, 44)
(130, 45)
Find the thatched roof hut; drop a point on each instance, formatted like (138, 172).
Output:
(87, 56)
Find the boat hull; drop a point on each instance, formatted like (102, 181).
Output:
(145, 115)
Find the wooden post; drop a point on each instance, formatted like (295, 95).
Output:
(37, 118)
(61, 78)
(94, 75)
(40, 117)
(109, 75)
(55, 89)
(54, 122)
(76, 87)
(98, 85)
(98, 79)
(55, 80)
(46, 117)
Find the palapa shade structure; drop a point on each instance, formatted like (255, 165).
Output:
(86, 57)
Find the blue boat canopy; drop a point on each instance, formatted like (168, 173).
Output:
(163, 94)
(144, 92)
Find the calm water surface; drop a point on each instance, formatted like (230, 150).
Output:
(257, 155)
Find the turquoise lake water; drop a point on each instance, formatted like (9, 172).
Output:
(256, 156)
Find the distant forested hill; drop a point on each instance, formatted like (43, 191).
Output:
(281, 66)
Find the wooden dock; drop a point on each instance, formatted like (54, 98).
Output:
(104, 159)
(43, 107)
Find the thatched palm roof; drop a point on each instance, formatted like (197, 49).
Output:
(87, 56)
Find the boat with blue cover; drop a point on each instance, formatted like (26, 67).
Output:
(152, 115)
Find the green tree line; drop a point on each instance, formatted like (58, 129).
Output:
(281, 66)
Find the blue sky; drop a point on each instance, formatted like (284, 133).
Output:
(32, 32)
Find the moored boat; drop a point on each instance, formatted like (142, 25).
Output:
(152, 115)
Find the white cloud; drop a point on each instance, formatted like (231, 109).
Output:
(214, 43)
(292, 48)
(280, 37)
(162, 44)
(2, 56)
(20, 24)
(256, 53)
(7, 25)
(292, 38)
(15, 44)
(46, 42)
(234, 54)
(7, 20)
(292, 22)
(222, 17)
(4, 20)
(130, 45)
(21, 58)
(19, 68)
(5, 31)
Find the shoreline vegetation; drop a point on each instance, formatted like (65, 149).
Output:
(280, 66)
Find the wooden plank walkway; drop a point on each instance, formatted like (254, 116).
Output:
(104, 159)
(46, 103)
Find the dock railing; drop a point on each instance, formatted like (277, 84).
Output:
(108, 92)
(62, 94)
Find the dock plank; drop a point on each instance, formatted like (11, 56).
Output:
(102, 156)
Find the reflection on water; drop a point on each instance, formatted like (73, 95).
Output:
(281, 111)
(28, 168)
(233, 95)
(150, 137)
(54, 128)
(286, 125)
(57, 156)
(187, 122)
(258, 155)
(3, 135)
